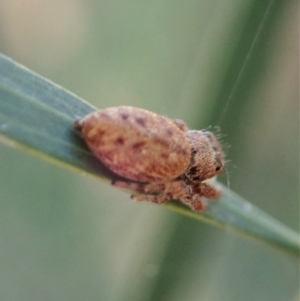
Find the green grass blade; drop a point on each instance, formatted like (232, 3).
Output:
(38, 115)
(234, 213)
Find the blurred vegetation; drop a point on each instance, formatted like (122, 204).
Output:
(234, 65)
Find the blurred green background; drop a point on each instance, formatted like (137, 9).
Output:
(67, 237)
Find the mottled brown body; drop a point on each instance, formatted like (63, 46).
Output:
(166, 159)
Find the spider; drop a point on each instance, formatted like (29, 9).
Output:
(161, 158)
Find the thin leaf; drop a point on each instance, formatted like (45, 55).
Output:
(38, 115)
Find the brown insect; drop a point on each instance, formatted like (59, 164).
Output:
(161, 158)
